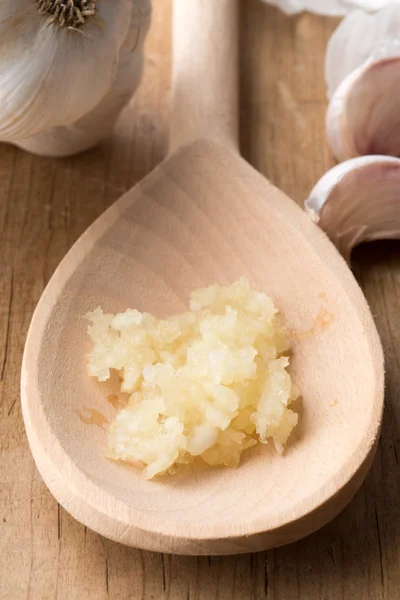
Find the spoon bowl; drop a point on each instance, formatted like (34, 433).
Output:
(204, 216)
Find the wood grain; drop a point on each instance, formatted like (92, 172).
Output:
(44, 207)
(205, 76)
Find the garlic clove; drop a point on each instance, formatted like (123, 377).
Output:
(52, 76)
(359, 38)
(335, 8)
(363, 77)
(99, 123)
(364, 114)
(358, 201)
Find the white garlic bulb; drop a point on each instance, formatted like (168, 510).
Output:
(67, 68)
(334, 8)
(363, 78)
(358, 201)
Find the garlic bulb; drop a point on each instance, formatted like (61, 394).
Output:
(358, 201)
(67, 68)
(99, 123)
(334, 8)
(363, 78)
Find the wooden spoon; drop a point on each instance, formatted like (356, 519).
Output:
(206, 216)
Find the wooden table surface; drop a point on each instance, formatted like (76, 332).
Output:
(46, 204)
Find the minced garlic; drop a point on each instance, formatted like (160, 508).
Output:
(210, 382)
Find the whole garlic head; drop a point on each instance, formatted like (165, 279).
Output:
(58, 59)
(98, 123)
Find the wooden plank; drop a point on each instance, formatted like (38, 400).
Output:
(46, 204)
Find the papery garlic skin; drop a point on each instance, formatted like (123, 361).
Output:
(333, 8)
(363, 78)
(51, 76)
(357, 201)
(98, 124)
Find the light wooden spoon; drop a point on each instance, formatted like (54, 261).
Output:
(206, 216)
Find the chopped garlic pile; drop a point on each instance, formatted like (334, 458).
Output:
(210, 382)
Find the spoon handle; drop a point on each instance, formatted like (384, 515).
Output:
(205, 72)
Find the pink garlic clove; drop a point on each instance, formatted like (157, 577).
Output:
(363, 77)
(358, 201)
(364, 114)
